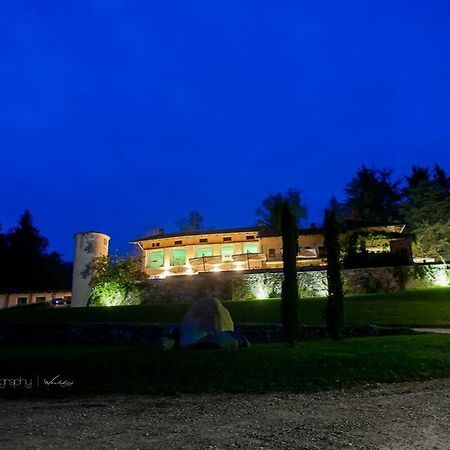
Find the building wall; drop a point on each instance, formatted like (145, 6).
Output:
(160, 251)
(311, 283)
(11, 299)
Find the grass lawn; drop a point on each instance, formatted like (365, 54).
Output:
(312, 365)
(421, 307)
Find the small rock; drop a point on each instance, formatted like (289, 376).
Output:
(164, 343)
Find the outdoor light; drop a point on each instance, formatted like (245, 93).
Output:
(441, 278)
(261, 293)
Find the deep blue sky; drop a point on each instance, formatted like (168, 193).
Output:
(125, 115)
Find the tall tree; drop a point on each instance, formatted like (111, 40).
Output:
(270, 211)
(192, 222)
(335, 299)
(372, 196)
(426, 211)
(27, 263)
(290, 304)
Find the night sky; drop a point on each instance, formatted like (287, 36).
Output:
(121, 116)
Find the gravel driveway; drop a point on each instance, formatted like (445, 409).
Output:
(397, 416)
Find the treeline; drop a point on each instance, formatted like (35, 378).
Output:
(26, 264)
(421, 201)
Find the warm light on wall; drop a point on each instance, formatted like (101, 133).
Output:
(441, 278)
(261, 293)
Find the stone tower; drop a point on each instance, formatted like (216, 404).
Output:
(88, 245)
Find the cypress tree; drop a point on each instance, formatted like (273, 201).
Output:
(335, 300)
(290, 304)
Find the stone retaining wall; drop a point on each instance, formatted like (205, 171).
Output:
(312, 283)
(124, 334)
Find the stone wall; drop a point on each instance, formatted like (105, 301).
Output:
(312, 283)
(124, 334)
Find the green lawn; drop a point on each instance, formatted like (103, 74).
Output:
(312, 365)
(422, 307)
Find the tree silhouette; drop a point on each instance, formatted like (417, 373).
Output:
(192, 222)
(335, 299)
(270, 211)
(372, 196)
(26, 262)
(290, 304)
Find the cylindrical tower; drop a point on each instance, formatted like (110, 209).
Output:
(88, 245)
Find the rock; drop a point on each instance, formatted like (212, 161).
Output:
(224, 339)
(204, 318)
(164, 343)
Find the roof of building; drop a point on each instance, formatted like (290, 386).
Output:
(348, 226)
(255, 229)
(31, 291)
(199, 233)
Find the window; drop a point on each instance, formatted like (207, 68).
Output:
(251, 247)
(203, 240)
(227, 239)
(157, 244)
(155, 259)
(204, 251)
(272, 253)
(22, 301)
(178, 257)
(227, 252)
(250, 237)
(40, 299)
(178, 242)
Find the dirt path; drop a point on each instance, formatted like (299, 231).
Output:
(400, 416)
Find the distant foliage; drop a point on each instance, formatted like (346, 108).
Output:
(426, 211)
(25, 262)
(193, 222)
(372, 196)
(421, 201)
(270, 211)
(115, 281)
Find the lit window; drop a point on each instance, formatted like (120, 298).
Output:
(227, 252)
(178, 257)
(155, 259)
(40, 299)
(251, 247)
(204, 251)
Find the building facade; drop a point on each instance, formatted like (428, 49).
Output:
(238, 249)
(22, 298)
(223, 250)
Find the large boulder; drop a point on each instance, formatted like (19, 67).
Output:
(224, 340)
(204, 318)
